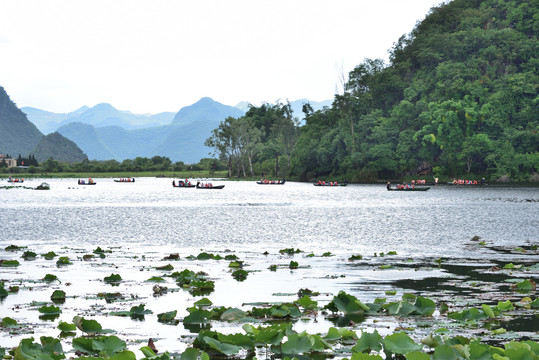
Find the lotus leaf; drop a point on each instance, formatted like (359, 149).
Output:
(306, 303)
(66, 327)
(297, 344)
(103, 346)
(432, 341)
(87, 326)
(417, 355)
(347, 304)
(167, 267)
(289, 251)
(189, 354)
(235, 264)
(156, 279)
(240, 275)
(197, 316)
(467, 314)
(50, 349)
(204, 256)
(9, 263)
(8, 322)
(272, 335)
(293, 264)
(63, 260)
(504, 306)
(424, 306)
(231, 257)
(50, 278)
(368, 342)
(535, 303)
(203, 302)
(29, 255)
(327, 254)
(399, 343)
(361, 356)
(14, 248)
(223, 348)
(233, 315)
(50, 255)
(58, 295)
(167, 316)
(525, 285)
(49, 310)
(355, 257)
(113, 278)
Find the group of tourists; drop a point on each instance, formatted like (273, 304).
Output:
(205, 185)
(402, 186)
(15, 180)
(266, 181)
(82, 182)
(127, 179)
(327, 183)
(468, 182)
(181, 183)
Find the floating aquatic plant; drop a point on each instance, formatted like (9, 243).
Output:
(50, 255)
(112, 279)
(9, 263)
(289, 251)
(63, 260)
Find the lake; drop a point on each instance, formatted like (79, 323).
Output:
(143, 222)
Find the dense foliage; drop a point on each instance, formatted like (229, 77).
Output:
(458, 98)
(258, 141)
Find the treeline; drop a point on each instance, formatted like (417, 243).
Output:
(28, 161)
(459, 97)
(139, 164)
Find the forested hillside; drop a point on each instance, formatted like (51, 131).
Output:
(459, 97)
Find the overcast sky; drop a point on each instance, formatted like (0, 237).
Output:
(150, 56)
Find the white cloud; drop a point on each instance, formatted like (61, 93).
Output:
(161, 55)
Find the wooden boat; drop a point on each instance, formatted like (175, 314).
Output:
(43, 186)
(12, 180)
(128, 180)
(420, 188)
(271, 182)
(330, 184)
(182, 184)
(209, 187)
(84, 182)
(469, 183)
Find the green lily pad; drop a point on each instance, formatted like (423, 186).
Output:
(368, 342)
(400, 343)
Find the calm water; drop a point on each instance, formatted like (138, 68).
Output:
(144, 221)
(244, 215)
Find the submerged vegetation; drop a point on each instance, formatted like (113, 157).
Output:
(451, 310)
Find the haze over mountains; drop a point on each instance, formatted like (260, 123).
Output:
(104, 132)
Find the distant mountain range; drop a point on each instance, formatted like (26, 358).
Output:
(104, 132)
(20, 137)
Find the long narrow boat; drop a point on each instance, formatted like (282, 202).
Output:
(182, 184)
(209, 187)
(422, 188)
(15, 180)
(84, 182)
(330, 184)
(128, 180)
(271, 182)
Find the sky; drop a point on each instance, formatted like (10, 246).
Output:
(151, 56)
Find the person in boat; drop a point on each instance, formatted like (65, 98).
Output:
(435, 181)
(388, 186)
(173, 182)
